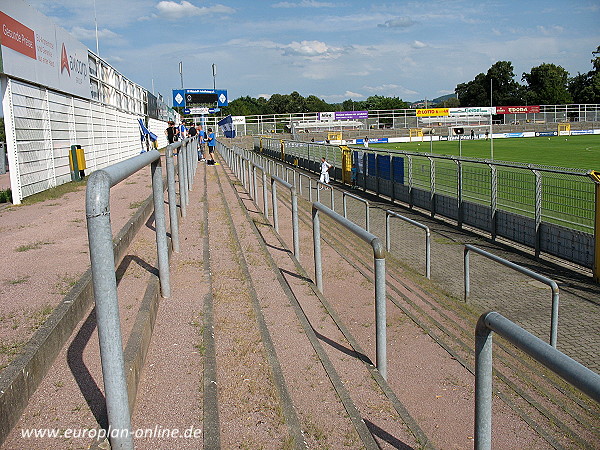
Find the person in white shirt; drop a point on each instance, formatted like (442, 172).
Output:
(325, 166)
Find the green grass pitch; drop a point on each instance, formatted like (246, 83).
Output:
(577, 152)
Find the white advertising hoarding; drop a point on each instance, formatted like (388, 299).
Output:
(36, 50)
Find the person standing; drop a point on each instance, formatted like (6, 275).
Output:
(171, 132)
(201, 141)
(325, 166)
(182, 131)
(212, 142)
(366, 141)
(472, 133)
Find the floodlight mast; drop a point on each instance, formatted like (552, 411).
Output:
(491, 131)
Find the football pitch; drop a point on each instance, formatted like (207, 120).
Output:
(577, 152)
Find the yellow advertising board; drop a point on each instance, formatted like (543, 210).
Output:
(430, 112)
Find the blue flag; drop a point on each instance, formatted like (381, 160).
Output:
(146, 132)
(226, 126)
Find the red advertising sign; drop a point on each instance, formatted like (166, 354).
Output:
(17, 36)
(517, 109)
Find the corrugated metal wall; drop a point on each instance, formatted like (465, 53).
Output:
(42, 125)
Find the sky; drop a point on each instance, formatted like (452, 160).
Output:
(336, 50)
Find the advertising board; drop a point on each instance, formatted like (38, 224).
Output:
(38, 51)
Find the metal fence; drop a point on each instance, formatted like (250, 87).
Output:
(549, 209)
(570, 370)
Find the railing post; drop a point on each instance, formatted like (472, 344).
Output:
(160, 229)
(107, 307)
(274, 201)
(265, 193)
(483, 386)
(295, 228)
(317, 249)
(380, 317)
(595, 176)
(467, 280)
(172, 196)
(538, 210)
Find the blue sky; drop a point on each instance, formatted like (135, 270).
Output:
(334, 50)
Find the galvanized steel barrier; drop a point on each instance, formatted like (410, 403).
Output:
(294, 195)
(530, 273)
(379, 269)
(103, 266)
(105, 283)
(388, 215)
(573, 372)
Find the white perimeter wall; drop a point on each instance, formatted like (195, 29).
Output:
(41, 125)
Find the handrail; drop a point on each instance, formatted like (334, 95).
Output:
(265, 190)
(105, 284)
(388, 214)
(570, 370)
(379, 263)
(523, 270)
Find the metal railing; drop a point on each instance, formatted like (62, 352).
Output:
(530, 273)
(388, 215)
(294, 195)
(379, 269)
(521, 202)
(105, 284)
(570, 370)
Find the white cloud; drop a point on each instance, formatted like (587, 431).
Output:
(399, 22)
(550, 31)
(85, 33)
(311, 49)
(304, 4)
(173, 10)
(418, 44)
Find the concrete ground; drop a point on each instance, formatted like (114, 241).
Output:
(249, 353)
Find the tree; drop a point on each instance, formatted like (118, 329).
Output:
(473, 93)
(504, 89)
(585, 87)
(315, 104)
(547, 85)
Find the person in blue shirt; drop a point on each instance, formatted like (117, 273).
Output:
(212, 142)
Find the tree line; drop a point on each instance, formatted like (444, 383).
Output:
(546, 84)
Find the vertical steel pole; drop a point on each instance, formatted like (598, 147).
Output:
(380, 317)
(182, 183)
(387, 231)
(466, 270)
(428, 253)
(295, 228)
(317, 249)
(345, 209)
(483, 386)
(160, 229)
(107, 309)
(274, 201)
(172, 196)
(265, 194)
(554, 318)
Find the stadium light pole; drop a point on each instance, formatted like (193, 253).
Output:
(491, 131)
(96, 24)
(181, 72)
(214, 71)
